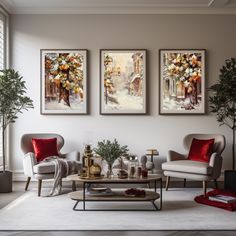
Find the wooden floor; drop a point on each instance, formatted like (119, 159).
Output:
(118, 233)
(18, 190)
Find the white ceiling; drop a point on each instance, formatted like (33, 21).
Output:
(119, 6)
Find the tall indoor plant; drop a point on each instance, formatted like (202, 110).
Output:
(12, 102)
(223, 104)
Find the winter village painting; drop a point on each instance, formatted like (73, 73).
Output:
(123, 82)
(182, 81)
(64, 81)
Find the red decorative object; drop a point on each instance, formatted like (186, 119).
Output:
(201, 150)
(135, 192)
(44, 148)
(144, 173)
(226, 206)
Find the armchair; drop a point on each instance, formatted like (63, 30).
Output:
(179, 166)
(44, 170)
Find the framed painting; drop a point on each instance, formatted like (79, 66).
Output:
(123, 82)
(64, 81)
(182, 81)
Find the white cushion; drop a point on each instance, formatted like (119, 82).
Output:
(188, 166)
(184, 175)
(44, 168)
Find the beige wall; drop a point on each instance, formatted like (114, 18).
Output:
(30, 33)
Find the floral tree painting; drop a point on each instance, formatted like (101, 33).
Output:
(182, 82)
(64, 81)
(123, 82)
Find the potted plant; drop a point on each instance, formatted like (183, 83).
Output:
(223, 104)
(110, 151)
(12, 102)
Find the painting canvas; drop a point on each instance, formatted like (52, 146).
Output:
(64, 81)
(123, 81)
(182, 82)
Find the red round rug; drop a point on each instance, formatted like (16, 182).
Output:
(226, 206)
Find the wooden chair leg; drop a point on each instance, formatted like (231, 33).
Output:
(167, 182)
(216, 183)
(73, 186)
(184, 183)
(204, 184)
(27, 183)
(39, 187)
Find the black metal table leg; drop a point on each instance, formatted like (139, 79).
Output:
(160, 199)
(74, 208)
(84, 185)
(160, 193)
(155, 186)
(156, 207)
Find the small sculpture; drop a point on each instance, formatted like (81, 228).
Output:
(145, 164)
(95, 169)
(143, 161)
(87, 162)
(122, 174)
(149, 165)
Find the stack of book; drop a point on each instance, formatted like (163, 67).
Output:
(222, 198)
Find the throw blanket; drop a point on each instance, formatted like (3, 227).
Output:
(63, 168)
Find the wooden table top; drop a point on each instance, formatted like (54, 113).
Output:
(151, 177)
(117, 195)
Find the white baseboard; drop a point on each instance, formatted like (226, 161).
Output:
(221, 178)
(1, 167)
(18, 175)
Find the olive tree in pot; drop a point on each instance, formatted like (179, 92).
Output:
(223, 104)
(12, 102)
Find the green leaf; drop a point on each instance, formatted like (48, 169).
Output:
(222, 97)
(110, 151)
(13, 99)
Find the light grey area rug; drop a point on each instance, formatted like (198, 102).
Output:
(179, 212)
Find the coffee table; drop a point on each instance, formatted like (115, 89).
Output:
(117, 195)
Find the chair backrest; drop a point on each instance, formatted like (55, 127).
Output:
(219, 144)
(26, 141)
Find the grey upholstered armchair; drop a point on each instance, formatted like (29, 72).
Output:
(179, 166)
(44, 170)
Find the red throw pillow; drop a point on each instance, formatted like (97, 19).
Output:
(44, 148)
(201, 150)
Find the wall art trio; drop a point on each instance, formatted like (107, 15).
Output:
(123, 81)
(182, 82)
(64, 82)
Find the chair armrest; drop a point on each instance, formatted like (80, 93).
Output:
(216, 163)
(71, 156)
(175, 156)
(28, 162)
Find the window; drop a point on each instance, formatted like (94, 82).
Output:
(3, 55)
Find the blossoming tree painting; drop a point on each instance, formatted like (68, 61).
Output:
(123, 82)
(64, 81)
(182, 82)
